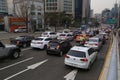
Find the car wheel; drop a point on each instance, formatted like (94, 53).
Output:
(45, 47)
(15, 55)
(24, 45)
(61, 53)
(89, 66)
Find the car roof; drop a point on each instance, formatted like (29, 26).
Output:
(79, 48)
(57, 40)
(43, 37)
(94, 37)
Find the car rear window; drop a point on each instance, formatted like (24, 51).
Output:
(62, 35)
(52, 33)
(39, 39)
(76, 53)
(53, 43)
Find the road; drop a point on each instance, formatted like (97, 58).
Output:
(35, 64)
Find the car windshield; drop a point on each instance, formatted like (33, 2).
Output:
(45, 33)
(39, 39)
(76, 53)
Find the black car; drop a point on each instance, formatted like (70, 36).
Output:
(22, 41)
(59, 47)
(11, 51)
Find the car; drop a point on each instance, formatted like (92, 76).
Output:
(94, 42)
(49, 34)
(22, 41)
(40, 42)
(11, 51)
(62, 36)
(102, 37)
(20, 30)
(58, 47)
(80, 57)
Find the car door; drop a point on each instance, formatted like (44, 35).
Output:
(3, 51)
(91, 54)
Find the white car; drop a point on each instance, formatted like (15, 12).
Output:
(40, 42)
(80, 57)
(49, 34)
(94, 42)
(62, 36)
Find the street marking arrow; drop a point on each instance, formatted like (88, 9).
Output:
(71, 75)
(28, 68)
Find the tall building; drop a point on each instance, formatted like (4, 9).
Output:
(82, 10)
(3, 8)
(59, 6)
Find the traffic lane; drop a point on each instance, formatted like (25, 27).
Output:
(54, 65)
(29, 57)
(94, 72)
(53, 69)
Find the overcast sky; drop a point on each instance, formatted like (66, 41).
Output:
(99, 5)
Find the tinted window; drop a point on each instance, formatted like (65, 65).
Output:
(93, 40)
(48, 39)
(77, 53)
(52, 33)
(90, 51)
(62, 35)
(39, 39)
(53, 44)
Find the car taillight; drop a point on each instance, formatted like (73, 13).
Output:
(84, 59)
(96, 44)
(58, 47)
(18, 42)
(40, 42)
(67, 56)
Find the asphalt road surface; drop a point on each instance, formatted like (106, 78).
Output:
(35, 64)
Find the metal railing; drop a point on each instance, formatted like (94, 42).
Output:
(113, 67)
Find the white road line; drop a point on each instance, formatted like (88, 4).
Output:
(71, 75)
(26, 49)
(28, 68)
(16, 63)
(16, 74)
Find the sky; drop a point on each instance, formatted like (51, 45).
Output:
(99, 5)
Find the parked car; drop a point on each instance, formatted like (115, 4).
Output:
(40, 42)
(80, 57)
(94, 42)
(20, 30)
(11, 51)
(59, 47)
(22, 41)
(49, 34)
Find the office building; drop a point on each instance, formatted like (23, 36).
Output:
(3, 8)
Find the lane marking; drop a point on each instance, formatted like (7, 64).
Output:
(71, 75)
(26, 49)
(28, 68)
(16, 63)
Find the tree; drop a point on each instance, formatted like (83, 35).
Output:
(22, 9)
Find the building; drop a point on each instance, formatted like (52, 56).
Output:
(10, 7)
(32, 10)
(82, 10)
(59, 6)
(3, 8)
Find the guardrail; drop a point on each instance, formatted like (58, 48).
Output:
(113, 67)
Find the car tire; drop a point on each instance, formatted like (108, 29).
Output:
(15, 55)
(61, 53)
(45, 47)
